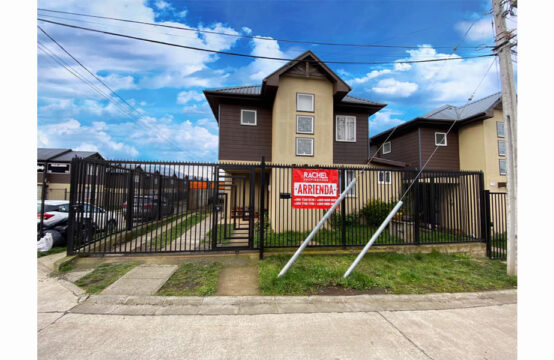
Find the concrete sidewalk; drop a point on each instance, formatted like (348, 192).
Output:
(437, 326)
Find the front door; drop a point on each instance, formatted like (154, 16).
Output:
(233, 220)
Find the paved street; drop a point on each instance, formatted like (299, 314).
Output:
(468, 326)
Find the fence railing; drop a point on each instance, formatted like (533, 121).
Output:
(497, 245)
(161, 207)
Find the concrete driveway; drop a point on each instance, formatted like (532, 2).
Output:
(472, 326)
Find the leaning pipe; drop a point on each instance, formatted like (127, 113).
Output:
(316, 229)
(373, 238)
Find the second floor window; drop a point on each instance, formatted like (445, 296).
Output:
(501, 148)
(440, 139)
(387, 147)
(248, 117)
(304, 146)
(346, 128)
(304, 124)
(305, 102)
(500, 129)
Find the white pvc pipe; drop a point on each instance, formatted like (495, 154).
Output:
(316, 229)
(373, 238)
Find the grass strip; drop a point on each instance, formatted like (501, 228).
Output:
(103, 276)
(384, 273)
(221, 234)
(192, 279)
(54, 250)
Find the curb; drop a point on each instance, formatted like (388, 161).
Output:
(259, 305)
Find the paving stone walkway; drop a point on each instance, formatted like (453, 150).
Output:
(142, 280)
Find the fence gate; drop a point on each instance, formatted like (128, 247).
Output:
(497, 238)
(234, 213)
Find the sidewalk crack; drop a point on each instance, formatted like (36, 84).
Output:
(404, 335)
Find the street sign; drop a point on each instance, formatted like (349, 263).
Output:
(314, 188)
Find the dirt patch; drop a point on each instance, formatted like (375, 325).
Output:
(238, 281)
(340, 291)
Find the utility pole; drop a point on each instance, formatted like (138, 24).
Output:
(509, 107)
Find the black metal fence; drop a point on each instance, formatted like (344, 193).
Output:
(161, 207)
(497, 243)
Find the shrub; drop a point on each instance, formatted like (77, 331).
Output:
(350, 220)
(376, 211)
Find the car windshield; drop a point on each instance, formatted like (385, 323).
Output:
(47, 208)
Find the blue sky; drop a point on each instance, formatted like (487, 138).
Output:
(165, 84)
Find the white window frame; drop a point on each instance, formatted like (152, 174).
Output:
(242, 111)
(445, 139)
(390, 147)
(346, 118)
(503, 129)
(500, 167)
(296, 147)
(305, 94)
(303, 132)
(384, 181)
(504, 142)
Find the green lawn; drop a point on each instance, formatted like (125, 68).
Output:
(384, 273)
(54, 250)
(192, 279)
(171, 233)
(221, 234)
(103, 276)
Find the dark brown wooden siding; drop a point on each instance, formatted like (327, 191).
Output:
(446, 157)
(403, 148)
(55, 178)
(243, 142)
(352, 152)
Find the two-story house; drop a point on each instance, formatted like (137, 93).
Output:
(475, 143)
(301, 114)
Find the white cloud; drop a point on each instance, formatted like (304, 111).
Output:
(260, 68)
(402, 67)
(383, 120)
(185, 97)
(246, 30)
(182, 13)
(162, 5)
(395, 88)
(480, 31)
(370, 75)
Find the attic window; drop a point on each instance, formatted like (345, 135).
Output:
(387, 147)
(440, 139)
(305, 102)
(248, 117)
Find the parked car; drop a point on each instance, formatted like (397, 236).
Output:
(56, 214)
(146, 207)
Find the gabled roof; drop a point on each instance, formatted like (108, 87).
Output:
(445, 114)
(63, 155)
(239, 90)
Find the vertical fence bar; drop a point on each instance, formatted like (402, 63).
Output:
(416, 211)
(261, 216)
(343, 209)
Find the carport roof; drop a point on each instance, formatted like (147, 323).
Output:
(63, 155)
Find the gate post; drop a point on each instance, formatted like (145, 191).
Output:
(261, 216)
(487, 221)
(215, 197)
(159, 212)
(416, 211)
(130, 200)
(343, 209)
(72, 193)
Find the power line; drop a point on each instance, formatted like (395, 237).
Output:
(242, 35)
(257, 56)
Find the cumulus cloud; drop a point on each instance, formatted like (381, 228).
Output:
(246, 30)
(383, 120)
(480, 31)
(370, 75)
(260, 68)
(395, 88)
(184, 97)
(162, 5)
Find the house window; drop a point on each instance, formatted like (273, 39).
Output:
(387, 147)
(502, 165)
(500, 129)
(346, 128)
(304, 146)
(304, 124)
(248, 117)
(501, 148)
(440, 139)
(384, 177)
(349, 176)
(305, 102)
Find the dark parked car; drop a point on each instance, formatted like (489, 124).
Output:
(147, 207)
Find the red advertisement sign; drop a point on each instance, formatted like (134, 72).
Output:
(314, 188)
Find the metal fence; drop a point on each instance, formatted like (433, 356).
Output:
(161, 207)
(497, 243)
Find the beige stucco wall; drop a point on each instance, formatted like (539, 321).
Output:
(54, 191)
(284, 121)
(478, 144)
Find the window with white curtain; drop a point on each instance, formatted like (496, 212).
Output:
(346, 128)
(304, 146)
(305, 102)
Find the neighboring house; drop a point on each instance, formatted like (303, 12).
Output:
(476, 142)
(56, 163)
